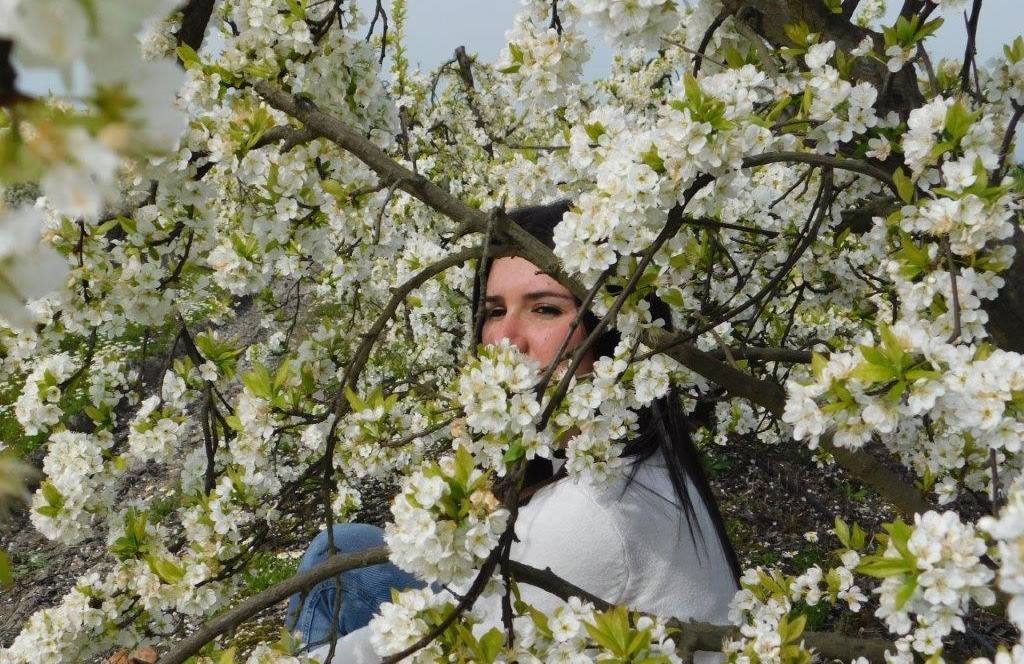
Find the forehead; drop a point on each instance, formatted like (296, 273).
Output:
(513, 275)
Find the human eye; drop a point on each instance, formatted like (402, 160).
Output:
(548, 310)
(495, 312)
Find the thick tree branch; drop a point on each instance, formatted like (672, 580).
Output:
(195, 17)
(704, 636)
(302, 581)
(760, 354)
(8, 76)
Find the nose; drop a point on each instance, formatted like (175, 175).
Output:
(511, 328)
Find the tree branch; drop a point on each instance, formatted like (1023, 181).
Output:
(302, 581)
(705, 636)
(854, 165)
(969, 50)
(195, 17)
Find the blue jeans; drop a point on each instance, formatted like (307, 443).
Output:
(363, 590)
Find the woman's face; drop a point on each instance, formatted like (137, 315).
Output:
(532, 310)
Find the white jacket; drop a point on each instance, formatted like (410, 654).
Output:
(626, 543)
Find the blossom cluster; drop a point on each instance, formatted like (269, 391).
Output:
(77, 155)
(37, 407)
(495, 390)
(967, 393)
(933, 572)
(629, 21)
(446, 520)
(1007, 530)
(573, 632)
(540, 58)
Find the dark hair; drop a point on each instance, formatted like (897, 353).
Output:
(662, 426)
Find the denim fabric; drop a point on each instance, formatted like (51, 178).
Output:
(362, 590)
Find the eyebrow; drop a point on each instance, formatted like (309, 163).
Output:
(535, 295)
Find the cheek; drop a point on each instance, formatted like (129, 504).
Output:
(556, 333)
(487, 334)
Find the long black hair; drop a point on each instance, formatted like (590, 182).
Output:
(662, 425)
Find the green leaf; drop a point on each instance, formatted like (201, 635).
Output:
(491, 644)
(168, 571)
(791, 630)
(335, 189)
(928, 28)
(843, 532)
(798, 33)
(134, 541)
(1015, 52)
(890, 342)
(818, 363)
(906, 591)
(594, 131)
(514, 453)
(904, 186)
(857, 538)
(899, 534)
(6, 573)
(464, 465)
(881, 567)
(52, 494)
(958, 120)
(188, 56)
(654, 160)
(517, 53)
(297, 9)
(354, 401)
(872, 373)
(282, 376)
(691, 87)
(873, 355)
(258, 381)
(895, 392)
(914, 258)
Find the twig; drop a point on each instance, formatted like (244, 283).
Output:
(686, 49)
(951, 266)
(1004, 148)
(383, 209)
(712, 223)
(581, 311)
(854, 165)
(672, 226)
(379, 11)
(705, 41)
(996, 493)
(970, 50)
(479, 307)
(556, 21)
